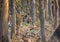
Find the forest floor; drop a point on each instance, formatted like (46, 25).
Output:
(32, 33)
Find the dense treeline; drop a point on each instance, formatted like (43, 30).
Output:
(21, 17)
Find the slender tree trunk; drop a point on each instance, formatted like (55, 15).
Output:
(4, 7)
(13, 28)
(59, 7)
(33, 11)
(41, 15)
(49, 9)
(57, 1)
(55, 11)
(59, 10)
(46, 9)
(55, 14)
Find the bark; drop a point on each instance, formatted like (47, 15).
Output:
(49, 9)
(32, 11)
(46, 9)
(4, 20)
(41, 15)
(59, 7)
(13, 16)
(55, 14)
(59, 10)
(57, 1)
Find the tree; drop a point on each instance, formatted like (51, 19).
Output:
(54, 13)
(55, 18)
(59, 7)
(49, 9)
(32, 11)
(13, 16)
(4, 7)
(57, 2)
(41, 16)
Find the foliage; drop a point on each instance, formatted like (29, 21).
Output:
(24, 23)
(37, 22)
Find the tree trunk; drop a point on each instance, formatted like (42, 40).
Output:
(33, 11)
(59, 7)
(49, 9)
(41, 15)
(13, 14)
(4, 7)
(55, 14)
